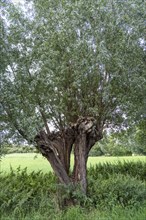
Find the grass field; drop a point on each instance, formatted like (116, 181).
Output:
(35, 162)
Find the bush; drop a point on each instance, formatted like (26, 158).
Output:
(10, 149)
(33, 196)
(22, 191)
(133, 169)
(117, 189)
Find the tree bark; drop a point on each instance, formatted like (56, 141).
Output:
(80, 172)
(57, 147)
(57, 150)
(87, 136)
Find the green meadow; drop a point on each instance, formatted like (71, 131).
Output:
(35, 162)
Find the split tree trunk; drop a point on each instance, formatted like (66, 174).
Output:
(57, 147)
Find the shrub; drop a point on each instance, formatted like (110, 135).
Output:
(134, 169)
(117, 189)
(23, 191)
(10, 149)
(30, 196)
(74, 213)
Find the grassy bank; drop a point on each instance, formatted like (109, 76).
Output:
(35, 162)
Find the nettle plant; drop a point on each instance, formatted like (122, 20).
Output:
(75, 67)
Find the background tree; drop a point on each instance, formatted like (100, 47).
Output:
(140, 137)
(74, 66)
(121, 143)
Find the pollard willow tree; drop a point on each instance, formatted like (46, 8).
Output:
(76, 66)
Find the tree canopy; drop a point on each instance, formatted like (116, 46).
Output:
(61, 60)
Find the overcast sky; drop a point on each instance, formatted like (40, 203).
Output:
(16, 1)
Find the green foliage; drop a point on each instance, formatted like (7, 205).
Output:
(74, 192)
(123, 143)
(118, 213)
(121, 183)
(10, 149)
(140, 137)
(74, 213)
(23, 191)
(117, 148)
(133, 169)
(141, 132)
(61, 60)
(117, 190)
(114, 190)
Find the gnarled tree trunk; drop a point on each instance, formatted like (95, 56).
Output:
(57, 147)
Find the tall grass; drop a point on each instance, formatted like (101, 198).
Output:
(78, 213)
(115, 191)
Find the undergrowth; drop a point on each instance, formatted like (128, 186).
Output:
(115, 191)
